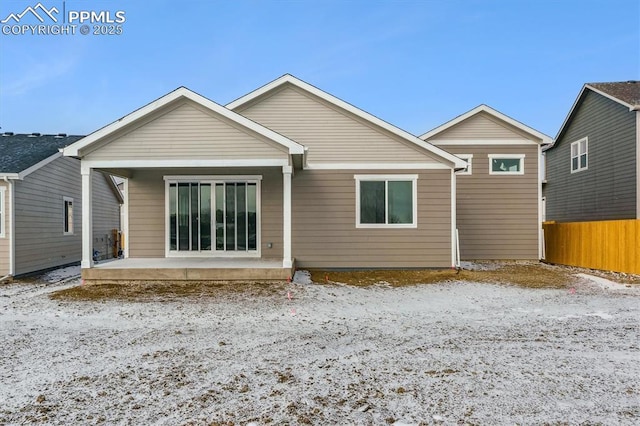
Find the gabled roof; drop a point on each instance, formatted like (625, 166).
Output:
(21, 154)
(493, 112)
(290, 79)
(183, 93)
(626, 93)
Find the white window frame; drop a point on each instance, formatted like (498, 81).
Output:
(388, 178)
(213, 179)
(579, 154)
(520, 157)
(3, 215)
(469, 159)
(66, 224)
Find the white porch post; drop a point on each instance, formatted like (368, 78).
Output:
(287, 261)
(87, 218)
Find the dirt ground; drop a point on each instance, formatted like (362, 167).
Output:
(449, 352)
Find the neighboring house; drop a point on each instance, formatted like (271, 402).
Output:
(41, 201)
(286, 173)
(499, 193)
(593, 167)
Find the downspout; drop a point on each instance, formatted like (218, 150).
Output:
(455, 259)
(540, 229)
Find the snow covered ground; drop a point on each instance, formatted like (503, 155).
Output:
(434, 354)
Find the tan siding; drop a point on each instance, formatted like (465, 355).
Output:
(325, 234)
(146, 214)
(147, 209)
(188, 132)
(482, 126)
(40, 242)
(106, 215)
(6, 241)
(331, 134)
(497, 216)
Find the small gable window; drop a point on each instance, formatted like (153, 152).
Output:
(506, 164)
(579, 155)
(386, 201)
(68, 215)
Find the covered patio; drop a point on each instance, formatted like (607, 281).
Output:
(187, 269)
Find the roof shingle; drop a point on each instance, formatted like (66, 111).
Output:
(21, 151)
(626, 91)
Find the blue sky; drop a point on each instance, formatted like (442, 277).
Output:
(415, 64)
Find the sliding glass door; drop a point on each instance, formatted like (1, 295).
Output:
(233, 228)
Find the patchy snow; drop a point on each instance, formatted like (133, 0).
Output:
(61, 274)
(604, 283)
(480, 266)
(302, 277)
(444, 354)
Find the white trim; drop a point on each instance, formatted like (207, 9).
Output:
(395, 177)
(585, 153)
(26, 172)
(105, 164)
(495, 113)
(181, 92)
(454, 239)
(506, 157)
(39, 165)
(125, 219)
(482, 142)
(190, 178)
(3, 211)
(287, 259)
(212, 180)
(469, 170)
(387, 178)
(377, 166)
(66, 224)
(87, 218)
(288, 78)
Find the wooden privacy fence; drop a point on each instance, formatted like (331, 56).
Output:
(612, 245)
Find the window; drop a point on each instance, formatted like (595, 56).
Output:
(3, 216)
(506, 164)
(579, 153)
(468, 158)
(386, 201)
(68, 215)
(213, 215)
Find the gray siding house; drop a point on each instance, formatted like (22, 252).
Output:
(41, 202)
(499, 193)
(593, 167)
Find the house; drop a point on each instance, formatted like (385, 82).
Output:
(40, 201)
(285, 175)
(499, 192)
(593, 167)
